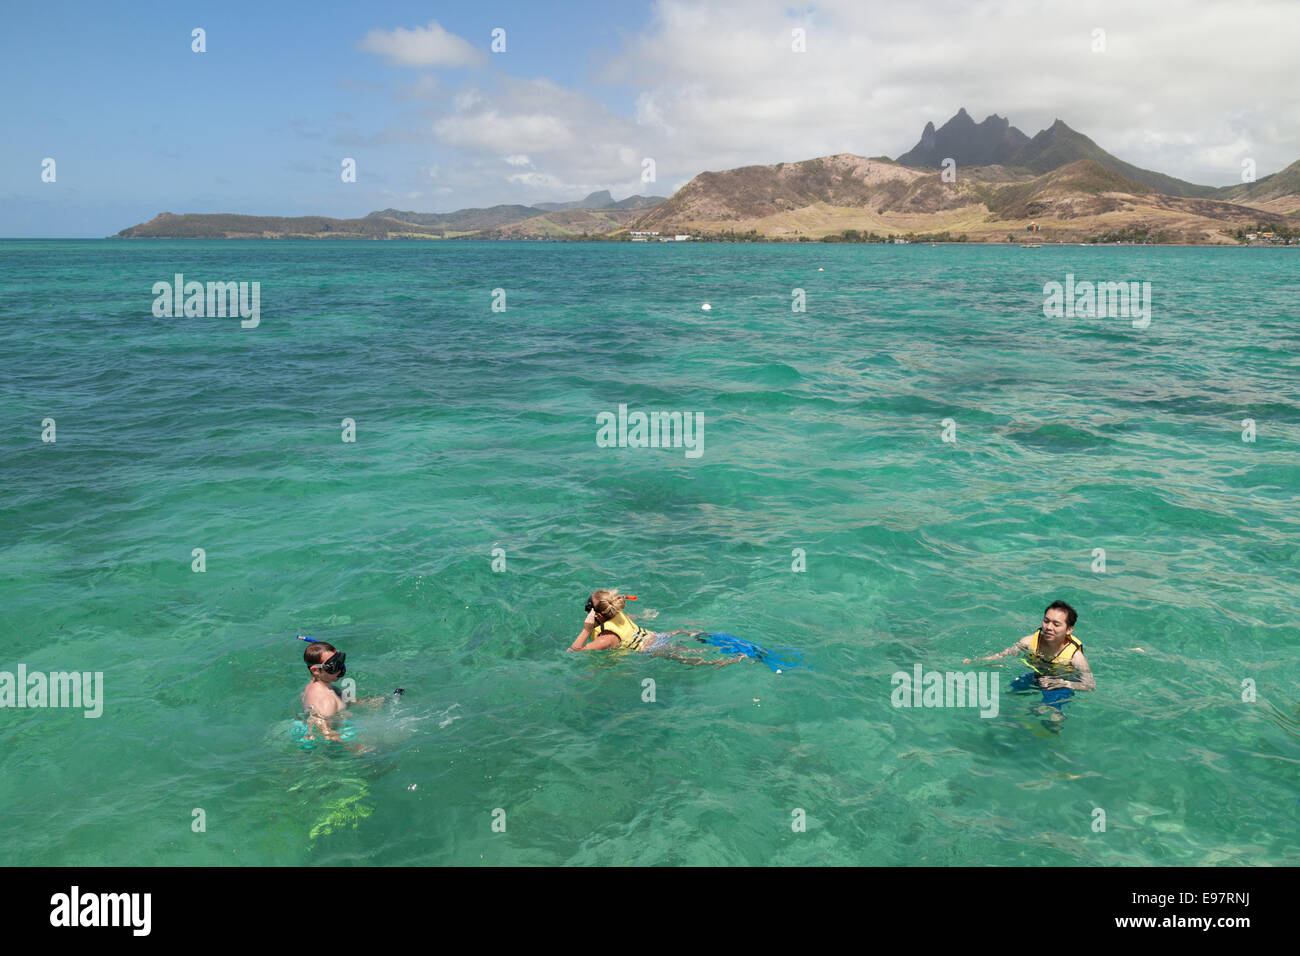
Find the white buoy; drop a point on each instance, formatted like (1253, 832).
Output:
(706, 307)
(821, 270)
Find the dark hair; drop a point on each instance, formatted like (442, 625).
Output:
(1071, 615)
(315, 651)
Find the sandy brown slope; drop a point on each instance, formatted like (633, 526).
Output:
(826, 196)
(753, 192)
(1278, 192)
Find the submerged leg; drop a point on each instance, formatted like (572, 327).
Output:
(691, 659)
(696, 661)
(730, 660)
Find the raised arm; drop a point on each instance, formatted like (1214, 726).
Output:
(601, 643)
(1020, 645)
(587, 625)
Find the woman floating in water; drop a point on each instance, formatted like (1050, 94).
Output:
(609, 628)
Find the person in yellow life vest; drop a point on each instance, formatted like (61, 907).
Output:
(611, 629)
(1052, 653)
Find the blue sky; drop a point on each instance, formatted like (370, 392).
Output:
(137, 123)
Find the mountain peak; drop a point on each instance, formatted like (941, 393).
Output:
(966, 142)
(961, 119)
(597, 200)
(1059, 145)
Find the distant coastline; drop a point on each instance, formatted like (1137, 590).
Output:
(984, 183)
(1291, 241)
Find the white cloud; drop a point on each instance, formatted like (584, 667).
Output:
(537, 180)
(467, 99)
(422, 46)
(1184, 87)
(497, 132)
(727, 90)
(649, 114)
(570, 143)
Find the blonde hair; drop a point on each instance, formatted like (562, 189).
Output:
(607, 604)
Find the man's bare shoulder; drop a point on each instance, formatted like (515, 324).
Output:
(324, 701)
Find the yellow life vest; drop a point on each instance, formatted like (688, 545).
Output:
(1062, 658)
(630, 635)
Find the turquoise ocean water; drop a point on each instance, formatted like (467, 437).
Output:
(476, 430)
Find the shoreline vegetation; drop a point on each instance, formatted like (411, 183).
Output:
(1126, 237)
